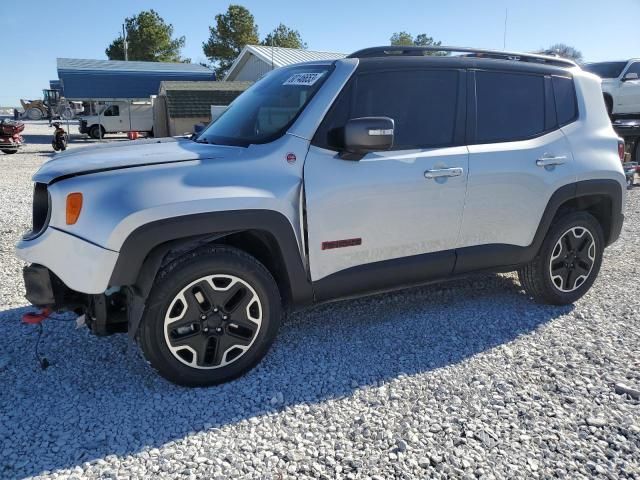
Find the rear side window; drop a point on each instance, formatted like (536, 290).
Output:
(510, 106)
(423, 104)
(565, 97)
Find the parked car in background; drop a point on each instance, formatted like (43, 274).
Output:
(119, 117)
(328, 180)
(620, 85)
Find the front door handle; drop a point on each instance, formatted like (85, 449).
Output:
(444, 172)
(548, 160)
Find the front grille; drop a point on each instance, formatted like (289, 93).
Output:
(41, 210)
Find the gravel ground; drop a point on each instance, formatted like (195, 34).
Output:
(462, 380)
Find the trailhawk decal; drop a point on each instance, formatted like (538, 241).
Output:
(349, 242)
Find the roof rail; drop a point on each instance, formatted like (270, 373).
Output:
(413, 51)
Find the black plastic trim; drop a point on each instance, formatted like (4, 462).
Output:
(385, 275)
(38, 286)
(142, 241)
(400, 50)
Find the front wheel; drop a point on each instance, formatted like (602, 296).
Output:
(96, 132)
(568, 261)
(212, 316)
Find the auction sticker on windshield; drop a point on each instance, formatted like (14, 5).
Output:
(304, 78)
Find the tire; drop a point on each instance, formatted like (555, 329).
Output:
(34, 114)
(608, 102)
(9, 151)
(576, 233)
(96, 132)
(198, 330)
(66, 114)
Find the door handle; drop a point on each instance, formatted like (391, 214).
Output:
(444, 172)
(548, 161)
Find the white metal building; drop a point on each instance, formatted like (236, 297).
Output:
(256, 60)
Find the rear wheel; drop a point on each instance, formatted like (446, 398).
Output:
(9, 151)
(608, 102)
(212, 316)
(568, 262)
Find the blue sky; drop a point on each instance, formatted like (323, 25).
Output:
(34, 35)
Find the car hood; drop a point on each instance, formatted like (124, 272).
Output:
(139, 153)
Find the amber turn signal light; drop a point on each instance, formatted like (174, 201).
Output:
(74, 206)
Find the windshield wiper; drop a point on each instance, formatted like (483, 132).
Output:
(202, 140)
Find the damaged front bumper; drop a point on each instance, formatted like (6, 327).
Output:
(104, 314)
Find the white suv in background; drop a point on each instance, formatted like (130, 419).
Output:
(620, 85)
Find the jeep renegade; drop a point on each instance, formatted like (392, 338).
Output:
(325, 180)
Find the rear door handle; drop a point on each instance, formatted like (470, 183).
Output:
(547, 161)
(444, 172)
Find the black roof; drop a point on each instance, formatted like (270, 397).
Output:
(480, 63)
(441, 50)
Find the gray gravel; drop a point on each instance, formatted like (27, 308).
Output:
(469, 379)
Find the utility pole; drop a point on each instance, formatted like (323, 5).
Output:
(124, 43)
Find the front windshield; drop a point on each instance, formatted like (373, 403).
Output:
(605, 69)
(268, 108)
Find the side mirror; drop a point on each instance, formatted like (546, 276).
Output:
(367, 134)
(630, 76)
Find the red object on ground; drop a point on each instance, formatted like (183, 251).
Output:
(10, 127)
(34, 318)
(133, 135)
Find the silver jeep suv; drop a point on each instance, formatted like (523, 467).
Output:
(327, 180)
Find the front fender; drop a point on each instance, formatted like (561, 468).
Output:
(149, 237)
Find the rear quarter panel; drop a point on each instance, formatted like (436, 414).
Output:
(593, 141)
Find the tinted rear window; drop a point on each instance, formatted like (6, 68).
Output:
(565, 96)
(510, 106)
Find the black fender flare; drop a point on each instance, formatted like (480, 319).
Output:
(574, 191)
(143, 250)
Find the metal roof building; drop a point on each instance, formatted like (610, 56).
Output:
(115, 79)
(256, 60)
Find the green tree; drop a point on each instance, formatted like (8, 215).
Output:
(283, 36)
(233, 30)
(564, 51)
(405, 39)
(149, 38)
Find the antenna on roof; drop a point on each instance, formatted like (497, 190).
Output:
(504, 38)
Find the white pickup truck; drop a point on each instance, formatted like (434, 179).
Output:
(119, 117)
(620, 85)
